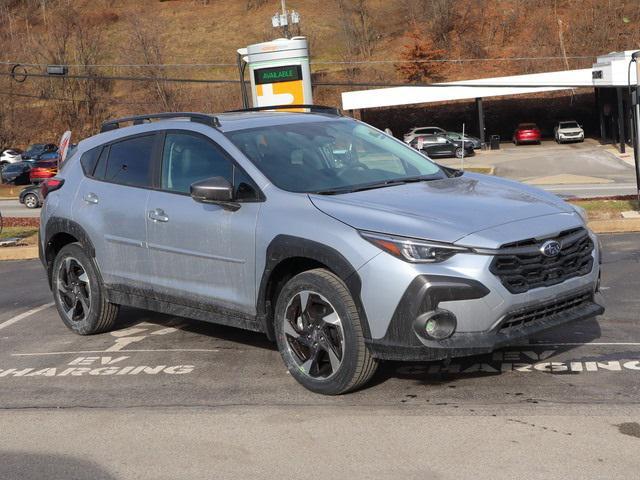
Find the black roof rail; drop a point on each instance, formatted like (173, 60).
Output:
(311, 108)
(210, 120)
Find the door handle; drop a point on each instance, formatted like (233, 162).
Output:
(90, 198)
(158, 215)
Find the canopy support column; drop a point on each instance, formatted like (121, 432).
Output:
(621, 136)
(480, 111)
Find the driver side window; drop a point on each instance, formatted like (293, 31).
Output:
(188, 158)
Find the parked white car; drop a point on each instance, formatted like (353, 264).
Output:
(416, 131)
(569, 131)
(10, 155)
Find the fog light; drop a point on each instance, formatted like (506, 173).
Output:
(436, 325)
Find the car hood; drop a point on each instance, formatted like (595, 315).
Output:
(441, 210)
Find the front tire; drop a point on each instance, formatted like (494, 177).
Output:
(458, 152)
(78, 292)
(31, 200)
(319, 334)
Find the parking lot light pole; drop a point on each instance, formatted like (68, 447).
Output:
(635, 101)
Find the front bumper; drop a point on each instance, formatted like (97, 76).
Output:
(476, 343)
(395, 294)
(568, 138)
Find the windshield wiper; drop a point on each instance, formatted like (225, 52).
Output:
(372, 186)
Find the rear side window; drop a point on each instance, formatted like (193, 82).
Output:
(130, 162)
(89, 160)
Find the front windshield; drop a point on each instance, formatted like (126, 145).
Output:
(569, 125)
(331, 155)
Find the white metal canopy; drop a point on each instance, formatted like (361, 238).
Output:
(608, 70)
(386, 97)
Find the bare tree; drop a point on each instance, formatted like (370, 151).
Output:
(79, 101)
(149, 50)
(357, 26)
(443, 15)
(255, 4)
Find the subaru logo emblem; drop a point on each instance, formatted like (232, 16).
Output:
(550, 248)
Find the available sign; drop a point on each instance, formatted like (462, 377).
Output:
(287, 73)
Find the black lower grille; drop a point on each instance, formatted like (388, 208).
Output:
(522, 266)
(522, 318)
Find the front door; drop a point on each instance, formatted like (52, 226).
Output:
(203, 253)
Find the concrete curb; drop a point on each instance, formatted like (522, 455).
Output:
(627, 225)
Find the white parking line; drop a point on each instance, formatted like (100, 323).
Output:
(606, 344)
(24, 315)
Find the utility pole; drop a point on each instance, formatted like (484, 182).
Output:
(284, 14)
(283, 18)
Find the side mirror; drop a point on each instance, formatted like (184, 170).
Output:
(213, 190)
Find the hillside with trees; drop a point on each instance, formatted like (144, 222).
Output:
(107, 42)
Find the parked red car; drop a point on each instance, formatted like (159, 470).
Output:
(526, 133)
(42, 170)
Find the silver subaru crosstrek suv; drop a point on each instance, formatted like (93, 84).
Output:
(339, 242)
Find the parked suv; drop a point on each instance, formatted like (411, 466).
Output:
(569, 131)
(416, 131)
(339, 242)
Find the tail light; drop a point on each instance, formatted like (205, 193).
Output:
(50, 185)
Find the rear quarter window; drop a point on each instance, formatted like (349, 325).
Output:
(89, 160)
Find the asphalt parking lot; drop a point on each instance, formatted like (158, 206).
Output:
(165, 397)
(584, 169)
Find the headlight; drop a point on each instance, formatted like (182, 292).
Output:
(581, 211)
(412, 249)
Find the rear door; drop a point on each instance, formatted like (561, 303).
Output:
(110, 205)
(202, 253)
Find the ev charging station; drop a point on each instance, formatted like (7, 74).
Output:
(279, 72)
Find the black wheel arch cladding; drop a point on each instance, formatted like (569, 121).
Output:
(286, 247)
(67, 231)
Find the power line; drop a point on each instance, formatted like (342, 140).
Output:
(447, 60)
(124, 65)
(326, 62)
(320, 84)
(315, 84)
(121, 77)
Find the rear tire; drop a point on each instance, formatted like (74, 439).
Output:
(79, 294)
(319, 334)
